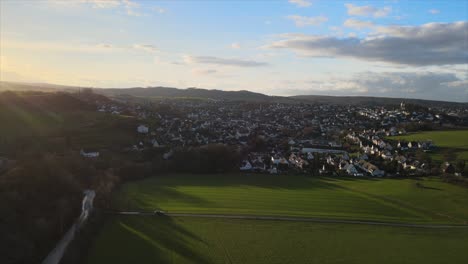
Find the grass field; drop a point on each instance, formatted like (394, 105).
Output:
(453, 140)
(134, 239)
(151, 239)
(301, 196)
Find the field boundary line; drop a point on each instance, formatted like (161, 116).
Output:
(293, 219)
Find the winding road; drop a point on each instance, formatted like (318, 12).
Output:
(57, 253)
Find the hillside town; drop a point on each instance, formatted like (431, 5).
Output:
(307, 138)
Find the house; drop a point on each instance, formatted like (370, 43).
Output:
(155, 143)
(258, 165)
(351, 170)
(245, 166)
(168, 154)
(371, 168)
(90, 154)
(142, 129)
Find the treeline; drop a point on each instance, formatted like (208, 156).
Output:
(41, 196)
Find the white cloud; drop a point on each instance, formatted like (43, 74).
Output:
(302, 21)
(434, 11)
(204, 71)
(145, 47)
(358, 24)
(355, 10)
(129, 6)
(235, 45)
(301, 3)
(223, 61)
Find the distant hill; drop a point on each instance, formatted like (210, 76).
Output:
(368, 100)
(168, 92)
(149, 93)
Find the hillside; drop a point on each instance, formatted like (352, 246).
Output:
(139, 93)
(48, 118)
(168, 92)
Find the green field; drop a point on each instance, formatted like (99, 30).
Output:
(136, 239)
(300, 196)
(152, 239)
(453, 140)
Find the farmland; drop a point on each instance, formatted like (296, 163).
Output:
(146, 239)
(152, 239)
(454, 140)
(300, 196)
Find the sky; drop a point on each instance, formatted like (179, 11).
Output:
(409, 49)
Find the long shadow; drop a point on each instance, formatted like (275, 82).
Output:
(163, 234)
(246, 180)
(147, 198)
(431, 188)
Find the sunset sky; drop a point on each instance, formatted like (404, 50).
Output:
(412, 49)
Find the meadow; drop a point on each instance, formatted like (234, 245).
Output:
(450, 140)
(391, 200)
(150, 239)
(168, 239)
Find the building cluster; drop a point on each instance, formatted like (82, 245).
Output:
(276, 137)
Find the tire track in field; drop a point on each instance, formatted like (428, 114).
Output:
(220, 241)
(404, 205)
(294, 219)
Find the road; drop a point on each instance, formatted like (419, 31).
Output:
(295, 219)
(57, 253)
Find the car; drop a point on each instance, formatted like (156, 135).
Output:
(159, 213)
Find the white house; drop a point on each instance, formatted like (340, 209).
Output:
(142, 129)
(351, 170)
(378, 173)
(155, 143)
(245, 166)
(92, 154)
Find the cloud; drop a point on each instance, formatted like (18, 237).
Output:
(204, 71)
(159, 10)
(358, 24)
(102, 3)
(302, 21)
(423, 85)
(145, 47)
(235, 45)
(301, 3)
(129, 6)
(428, 44)
(434, 11)
(355, 10)
(223, 61)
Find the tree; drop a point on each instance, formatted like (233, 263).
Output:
(460, 166)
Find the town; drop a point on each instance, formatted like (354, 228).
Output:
(318, 139)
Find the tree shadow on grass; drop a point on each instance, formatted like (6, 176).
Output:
(291, 182)
(164, 237)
